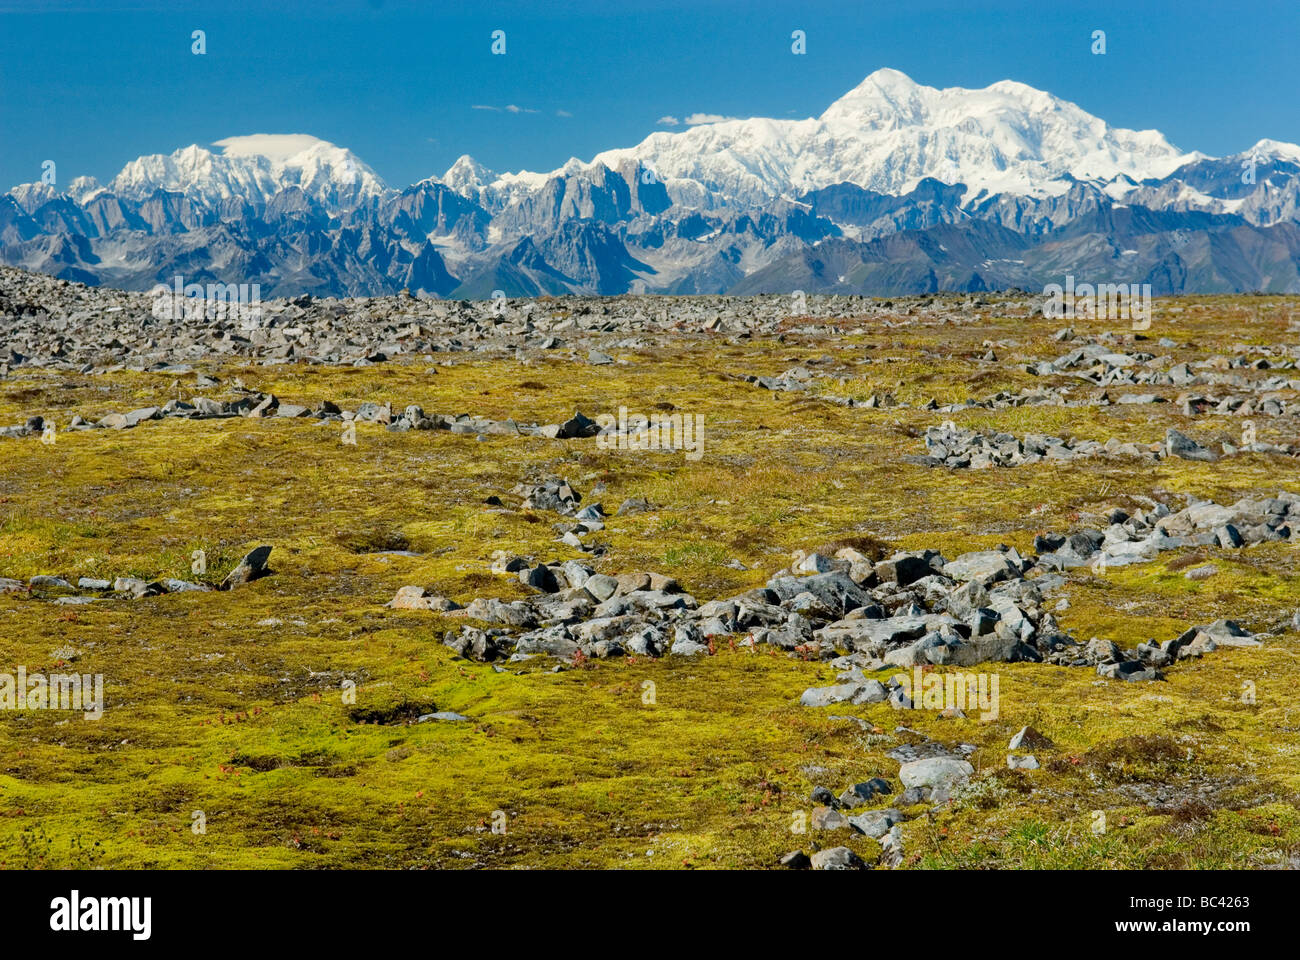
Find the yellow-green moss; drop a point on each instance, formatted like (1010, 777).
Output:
(232, 703)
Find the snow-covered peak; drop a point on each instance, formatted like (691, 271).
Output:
(467, 176)
(1274, 149)
(30, 196)
(889, 132)
(884, 95)
(254, 169)
(82, 189)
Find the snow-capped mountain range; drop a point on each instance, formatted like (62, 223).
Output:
(745, 205)
(254, 169)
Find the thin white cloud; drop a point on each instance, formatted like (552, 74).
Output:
(563, 113)
(698, 118)
(508, 108)
(668, 121)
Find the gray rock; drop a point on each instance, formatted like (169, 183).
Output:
(600, 586)
(43, 582)
(688, 641)
(183, 586)
(1180, 445)
(576, 573)
(834, 591)
(252, 567)
(903, 569)
(1228, 536)
(935, 773)
(1132, 671)
(837, 858)
(209, 408)
(540, 577)
(825, 696)
(860, 794)
(1227, 633)
(795, 860)
(870, 691)
(985, 566)
(828, 818)
(875, 823)
(1102, 651)
(139, 416)
(1027, 738)
(891, 847)
(649, 641)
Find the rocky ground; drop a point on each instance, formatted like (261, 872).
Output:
(367, 587)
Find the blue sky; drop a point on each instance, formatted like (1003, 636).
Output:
(93, 86)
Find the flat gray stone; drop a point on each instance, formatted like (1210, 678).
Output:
(935, 773)
(875, 823)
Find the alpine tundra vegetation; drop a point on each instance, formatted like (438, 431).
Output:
(365, 590)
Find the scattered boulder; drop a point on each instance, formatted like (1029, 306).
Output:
(252, 567)
(837, 858)
(939, 774)
(1027, 738)
(875, 823)
(1181, 445)
(795, 860)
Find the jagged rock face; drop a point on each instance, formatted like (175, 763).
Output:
(896, 188)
